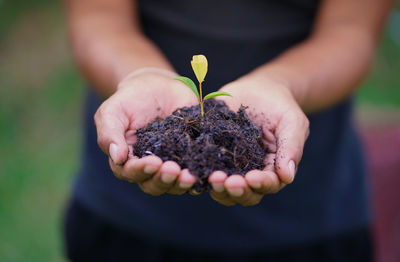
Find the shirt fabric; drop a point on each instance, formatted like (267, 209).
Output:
(329, 193)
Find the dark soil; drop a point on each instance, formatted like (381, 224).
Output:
(222, 140)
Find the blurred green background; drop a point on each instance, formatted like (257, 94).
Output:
(40, 100)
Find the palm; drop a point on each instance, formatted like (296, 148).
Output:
(265, 109)
(137, 102)
(146, 99)
(285, 128)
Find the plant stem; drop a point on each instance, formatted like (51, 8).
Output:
(201, 101)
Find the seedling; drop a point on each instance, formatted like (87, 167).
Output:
(200, 65)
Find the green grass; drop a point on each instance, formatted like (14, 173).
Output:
(40, 129)
(12, 10)
(39, 140)
(382, 88)
(38, 148)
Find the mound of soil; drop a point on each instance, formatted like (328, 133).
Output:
(222, 140)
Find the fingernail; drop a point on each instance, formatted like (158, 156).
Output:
(292, 170)
(184, 185)
(167, 179)
(218, 187)
(237, 192)
(113, 153)
(150, 169)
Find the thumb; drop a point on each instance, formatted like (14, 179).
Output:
(111, 124)
(291, 133)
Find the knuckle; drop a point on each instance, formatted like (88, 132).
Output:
(247, 204)
(149, 190)
(139, 177)
(96, 117)
(118, 175)
(264, 191)
(175, 192)
(122, 176)
(306, 125)
(249, 201)
(274, 190)
(163, 186)
(105, 110)
(227, 203)
(179, 192)
(132, 179)
(220, 196)
(99, 114)
(306, 121)
(156, 193)
(257, 201)
(102, 142)
(145, 190)
(100, 139)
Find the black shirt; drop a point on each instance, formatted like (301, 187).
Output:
(329, 194)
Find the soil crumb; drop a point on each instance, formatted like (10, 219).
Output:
(222, 140)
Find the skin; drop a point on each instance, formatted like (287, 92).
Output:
(314, 75)
(118, 118)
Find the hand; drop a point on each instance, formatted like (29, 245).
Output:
(138, 101)
(286, 128)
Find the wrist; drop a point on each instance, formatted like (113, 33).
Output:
(146, 71)
(281, 77)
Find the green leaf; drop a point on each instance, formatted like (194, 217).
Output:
(214, 94)
(189, 83)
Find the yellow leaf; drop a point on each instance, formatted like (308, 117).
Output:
(200, 66)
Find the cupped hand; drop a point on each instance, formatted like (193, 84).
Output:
(272, 107)
(137, 102)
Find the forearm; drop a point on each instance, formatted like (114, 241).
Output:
(331, 63)
(108, 45)
(324, 69)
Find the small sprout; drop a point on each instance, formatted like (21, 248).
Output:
(200, 66)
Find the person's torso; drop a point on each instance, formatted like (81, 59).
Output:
(328, 194)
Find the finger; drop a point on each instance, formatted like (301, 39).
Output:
(223, 198)
(176, 189)
(217, 180)
(218, 192)
(140, 169)
(163, 180)
(116, 169)
(183, 183)
(130, 137)
(292, 133)
(111, 124)
(269, 162)
(264, 182)
(240, 192)
(186, 179)
(130, 152)
(269, 139)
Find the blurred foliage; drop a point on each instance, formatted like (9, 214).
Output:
(383, 86)
(11, 10)
(38, 149)
(40, 103)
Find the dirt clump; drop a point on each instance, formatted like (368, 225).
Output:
(222, 140)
